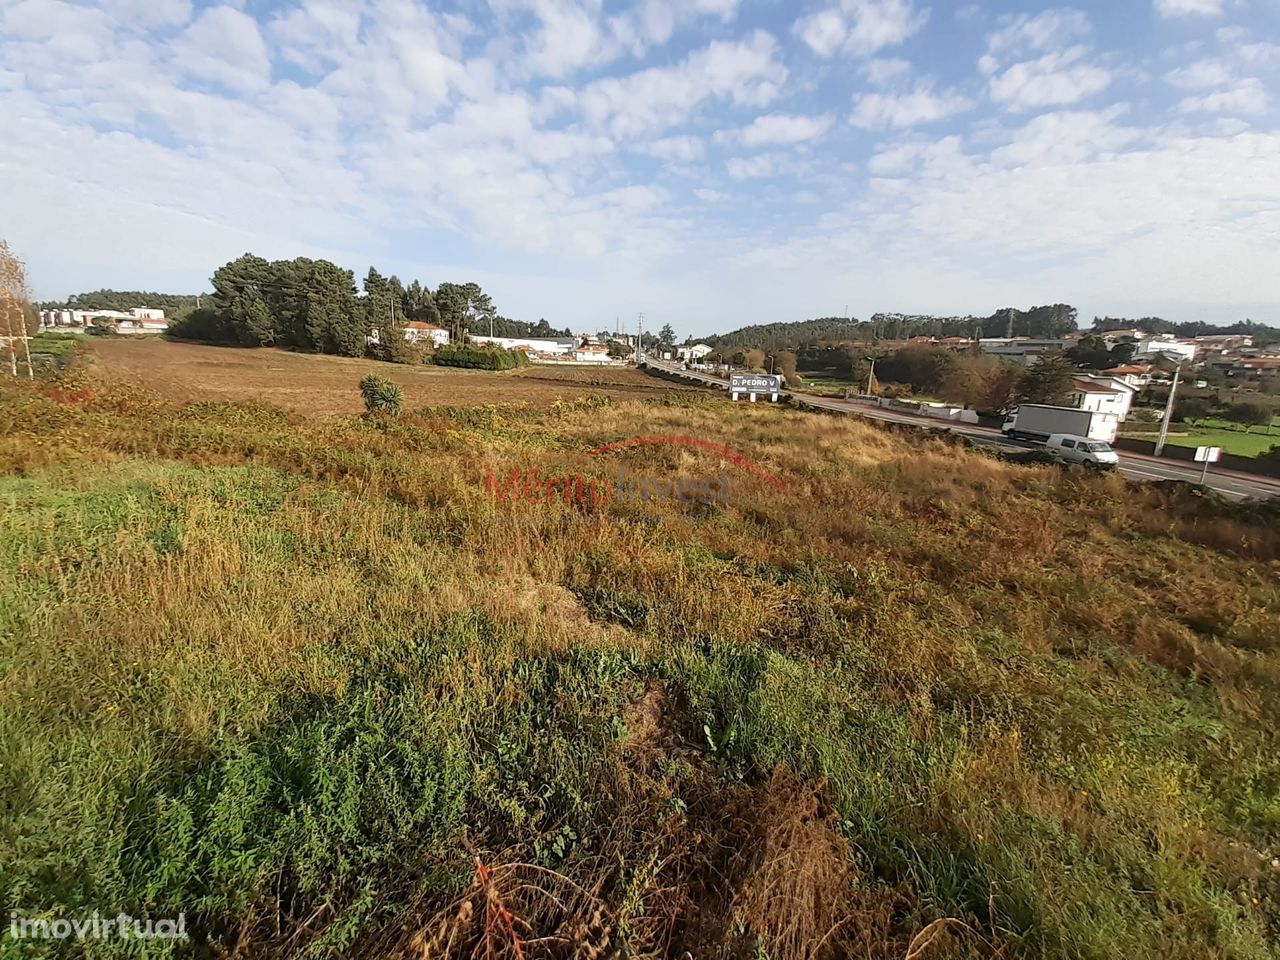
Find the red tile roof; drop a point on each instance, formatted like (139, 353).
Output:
(1088, 386)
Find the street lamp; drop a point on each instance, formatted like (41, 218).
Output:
(771, 364)
(871, 377)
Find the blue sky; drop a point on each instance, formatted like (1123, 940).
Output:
(709, 162)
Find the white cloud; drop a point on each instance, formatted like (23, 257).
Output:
(1129, 216)
(224, 45)
(1245, 96)
(746, 73)
(708, 195)
(761, 165)
(1048, 30)
(861, 27)
(1055, 78)
(824, 32)
(569, 36)
(877, 111)
(1183, 8)
(779, 128)
(148, 13)
(885, 71)
(1260, 54)
(1200, 75)
(679, 149)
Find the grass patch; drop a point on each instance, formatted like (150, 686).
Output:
(302, 679)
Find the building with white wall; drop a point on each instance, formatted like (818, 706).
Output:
(1169, 347)
(692, 351)
(1102, 395)
(417, 331)
(549, 346)
(136, 320)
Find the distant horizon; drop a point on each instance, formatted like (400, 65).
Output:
(1083, 322)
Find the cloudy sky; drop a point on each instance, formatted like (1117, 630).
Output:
(709, 162)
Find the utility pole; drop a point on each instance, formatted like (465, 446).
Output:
(871, 377)
(1168, 411)
(639, 338)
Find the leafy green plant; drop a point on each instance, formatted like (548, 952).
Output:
(381, 395)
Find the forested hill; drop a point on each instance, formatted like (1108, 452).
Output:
(173, 304)
(775, 335)
(1053, 320)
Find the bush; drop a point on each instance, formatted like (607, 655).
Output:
(476, 358)
(1188, 410)
(381, 395)
(1249, 414)
(206, 325)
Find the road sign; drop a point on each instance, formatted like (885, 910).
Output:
(754, 383)
(1207, 455)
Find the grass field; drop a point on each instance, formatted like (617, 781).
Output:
(305, 680)
(312, 385)
(1212, 433)
(1231, 441)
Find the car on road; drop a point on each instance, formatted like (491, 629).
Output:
(1093, 454)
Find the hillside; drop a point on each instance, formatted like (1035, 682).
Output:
(314, 684)
(1047, 321)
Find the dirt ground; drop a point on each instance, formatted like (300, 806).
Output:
(314, 385)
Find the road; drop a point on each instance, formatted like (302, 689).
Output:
(1237, 486)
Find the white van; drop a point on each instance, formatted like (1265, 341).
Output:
(1094, 454)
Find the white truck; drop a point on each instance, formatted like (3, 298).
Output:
(1039, 421)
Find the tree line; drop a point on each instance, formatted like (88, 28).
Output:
(1049, 321)
(173, 304)
(314, 305)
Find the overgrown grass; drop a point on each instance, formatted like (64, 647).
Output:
(306, 682)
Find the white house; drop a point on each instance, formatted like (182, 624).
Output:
(551, 346)
(1177, 349)
(694, 351)
(136, 320)
(593, 353)
(416, 331)
(1102, 395)
(1137, 375)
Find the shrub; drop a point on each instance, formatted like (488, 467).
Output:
(205, 324)
(476, 358)
(381, 395)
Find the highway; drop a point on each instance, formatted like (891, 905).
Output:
(1235, 485)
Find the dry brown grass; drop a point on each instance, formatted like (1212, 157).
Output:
(969, 667)
(313, 385)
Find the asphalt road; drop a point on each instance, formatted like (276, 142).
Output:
(1237, 486)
